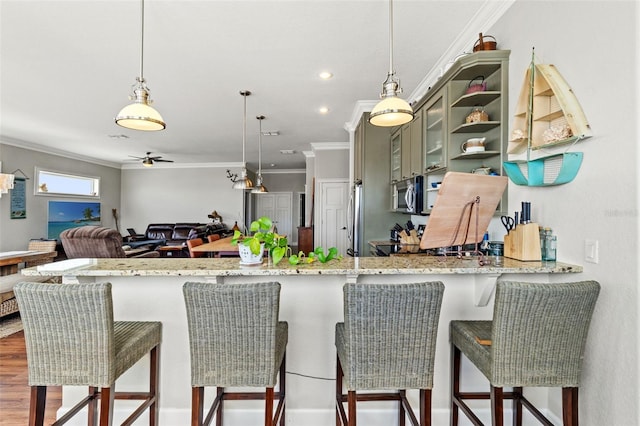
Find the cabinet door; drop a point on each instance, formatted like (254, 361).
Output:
(405, 150)
(434, 125)
(396, 157)
(416, 145)
(435, 133)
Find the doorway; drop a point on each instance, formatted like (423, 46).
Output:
(330, 219)
(278, 206)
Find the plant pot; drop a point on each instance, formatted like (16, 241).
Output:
(247, 257)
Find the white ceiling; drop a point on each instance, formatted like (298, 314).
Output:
(67, 68)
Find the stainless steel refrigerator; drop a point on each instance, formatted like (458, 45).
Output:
(354, 221)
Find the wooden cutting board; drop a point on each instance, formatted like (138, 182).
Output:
(455, 194)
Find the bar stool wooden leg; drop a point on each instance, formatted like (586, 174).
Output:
(351, 406)
(154, 379)
(92, 416)
(37, 405)
(517, 406)
(220, 395)
(197, 399)
(283, 388)
(455, 383)
(570, 406)
(268, 407)
(106, 405)
(401, 413)
(497, 399)
(425, 407)
(339, 374)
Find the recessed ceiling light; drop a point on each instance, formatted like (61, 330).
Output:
(323, 110)
(272, 164)
(325, 75)
(287, 151)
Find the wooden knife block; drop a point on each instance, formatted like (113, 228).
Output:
(523, 243)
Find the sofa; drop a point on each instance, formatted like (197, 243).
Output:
(95, 242)
(177, 234)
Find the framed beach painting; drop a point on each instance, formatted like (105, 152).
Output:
(71, 214)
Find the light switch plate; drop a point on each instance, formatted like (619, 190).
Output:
(591, 251)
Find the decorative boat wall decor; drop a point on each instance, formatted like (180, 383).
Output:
(547, 115)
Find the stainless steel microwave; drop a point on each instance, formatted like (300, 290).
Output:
(407, 195)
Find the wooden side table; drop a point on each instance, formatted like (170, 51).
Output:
(170, 251)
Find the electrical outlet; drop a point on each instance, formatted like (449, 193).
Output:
(591, 251)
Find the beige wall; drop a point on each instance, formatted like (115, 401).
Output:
(16, 233)
(594, 45)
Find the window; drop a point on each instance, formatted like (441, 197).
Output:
(56, 183)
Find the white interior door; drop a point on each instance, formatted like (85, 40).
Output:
(278, 206)
(331, 214)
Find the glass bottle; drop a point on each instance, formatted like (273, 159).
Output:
(550, 245)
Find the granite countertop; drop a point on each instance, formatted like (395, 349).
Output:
(400, 265)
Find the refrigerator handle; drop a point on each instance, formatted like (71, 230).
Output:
(350, 218)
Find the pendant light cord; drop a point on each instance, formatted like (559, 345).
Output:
(141, 40)
(260, 118)
(244, 129)
(391, 71)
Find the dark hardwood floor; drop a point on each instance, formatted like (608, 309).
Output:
(14, 388)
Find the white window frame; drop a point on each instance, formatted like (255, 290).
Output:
(41, 179)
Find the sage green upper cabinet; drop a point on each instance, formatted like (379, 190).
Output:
(396, 156)
(406, 145)
(435, 125)
(415, 161)
(476, 85)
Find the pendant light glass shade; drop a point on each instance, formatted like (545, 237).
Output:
(140, 115)
(244, 182)
(259, 188)
(391, 110)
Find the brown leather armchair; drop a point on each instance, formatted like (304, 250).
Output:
(95, 242)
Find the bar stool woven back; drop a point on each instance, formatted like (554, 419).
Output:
(536, 339)
(387, 342)
(72, 340)
(236, 340)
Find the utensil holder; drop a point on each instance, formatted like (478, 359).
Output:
(523, 243)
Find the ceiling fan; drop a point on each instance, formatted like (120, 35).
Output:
(148, 160)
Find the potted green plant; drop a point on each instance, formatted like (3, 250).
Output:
(263, 237)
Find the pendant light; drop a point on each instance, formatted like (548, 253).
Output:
(259, 188)
(391, 110)
(140, 115)
(244, 182)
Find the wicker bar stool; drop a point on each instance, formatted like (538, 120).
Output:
(236, 340)
(72, 340)
(536, 339)
(387, 342)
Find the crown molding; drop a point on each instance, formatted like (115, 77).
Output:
(322, 146)
(360, 108)
(53, 151)
(284, 171)
(481, 22)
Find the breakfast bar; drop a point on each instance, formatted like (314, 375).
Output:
(311, 302)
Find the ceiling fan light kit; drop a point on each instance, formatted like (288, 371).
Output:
(148, 160)
(244, 183)
(391, 110)
(140, 115)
